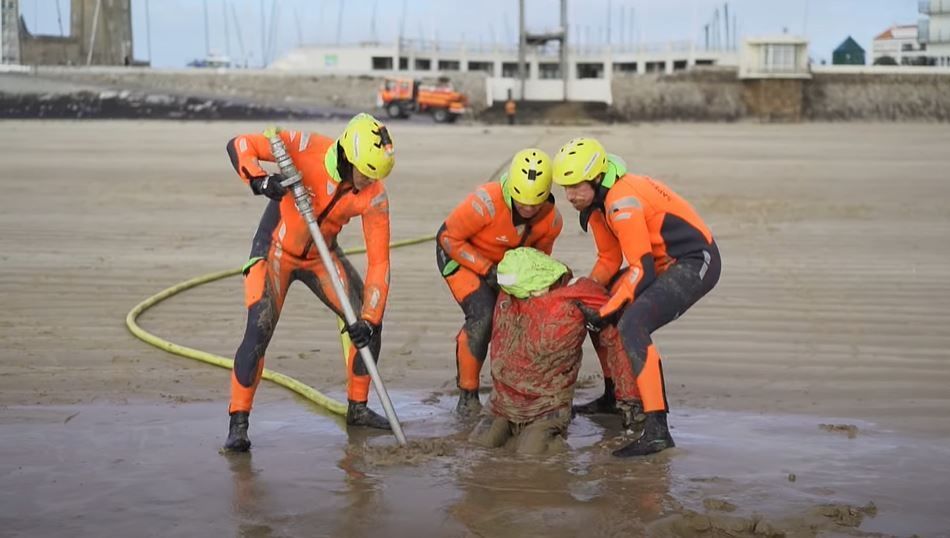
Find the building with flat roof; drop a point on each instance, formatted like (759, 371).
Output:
(773, 70)
(589, 73)
(934, 30)
(774, 57)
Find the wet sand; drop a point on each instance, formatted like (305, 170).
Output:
(106, 469)
(831, 310)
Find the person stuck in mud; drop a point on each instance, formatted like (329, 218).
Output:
(516, 211)
(345, 178)
(672, 262)
(536, 348)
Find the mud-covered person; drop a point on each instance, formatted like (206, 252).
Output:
(516, 211)
(536, 349)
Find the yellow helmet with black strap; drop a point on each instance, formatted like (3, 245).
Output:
(367, 145)
(528, 180)
(581, 159)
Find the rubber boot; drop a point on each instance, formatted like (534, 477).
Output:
(359, 414)
(632, 416)
(656, 437)
(237, 433)
(469, 405)
(605, 405)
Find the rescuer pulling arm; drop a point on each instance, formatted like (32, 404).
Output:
(672, 262)
(517, 211)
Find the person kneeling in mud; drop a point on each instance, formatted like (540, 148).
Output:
(536, 348)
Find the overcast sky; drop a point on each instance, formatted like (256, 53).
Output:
(178, 36)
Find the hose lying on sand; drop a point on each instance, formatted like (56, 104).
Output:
(306, 391)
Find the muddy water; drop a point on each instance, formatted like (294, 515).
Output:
(129, 470)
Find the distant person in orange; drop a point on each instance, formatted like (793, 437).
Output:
(511, 109)
(344, 177)
(517, 211)
(672, 262)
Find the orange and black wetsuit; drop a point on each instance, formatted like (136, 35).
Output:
(283, 251)
(672, 262)
(472, 240)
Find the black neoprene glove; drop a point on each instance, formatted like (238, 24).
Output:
(592, 317)
(269, 186)
(361, 333)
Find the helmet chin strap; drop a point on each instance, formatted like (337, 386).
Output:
(343, 166)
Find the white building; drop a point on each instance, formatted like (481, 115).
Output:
(900, 43)
(589, 74)
(934, 31)
(775, 57)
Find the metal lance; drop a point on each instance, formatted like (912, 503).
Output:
(294, 181)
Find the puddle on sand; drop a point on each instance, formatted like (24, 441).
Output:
(155, 469)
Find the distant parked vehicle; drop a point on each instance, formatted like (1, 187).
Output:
(211, 61)
(401, 97)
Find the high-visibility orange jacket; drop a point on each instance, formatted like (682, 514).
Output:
(643, 221)
(334, 202)
(484, 226)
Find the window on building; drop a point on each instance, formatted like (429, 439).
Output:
(625, 67)
(656, 67)
(705, 62)
(423, 64)
(487, 67)
(549, 70)
(382, 62)
(449, 65)
(590, 70)
(778, 58)
(510, 70)
(923, 31)
(403, 63)
(679, 65)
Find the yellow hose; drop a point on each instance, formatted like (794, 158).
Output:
(286, 381)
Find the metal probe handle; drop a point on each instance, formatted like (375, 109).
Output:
(302, 200)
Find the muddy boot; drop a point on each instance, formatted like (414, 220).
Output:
(237, 433)
(605, 405)
(359, 414)
(632, 416)
(656, 437)
(469, 405)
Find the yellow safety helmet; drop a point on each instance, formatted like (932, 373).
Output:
(368, 146)
(529, 177)
(581, 159)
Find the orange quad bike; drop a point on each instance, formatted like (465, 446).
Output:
(401, 97)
